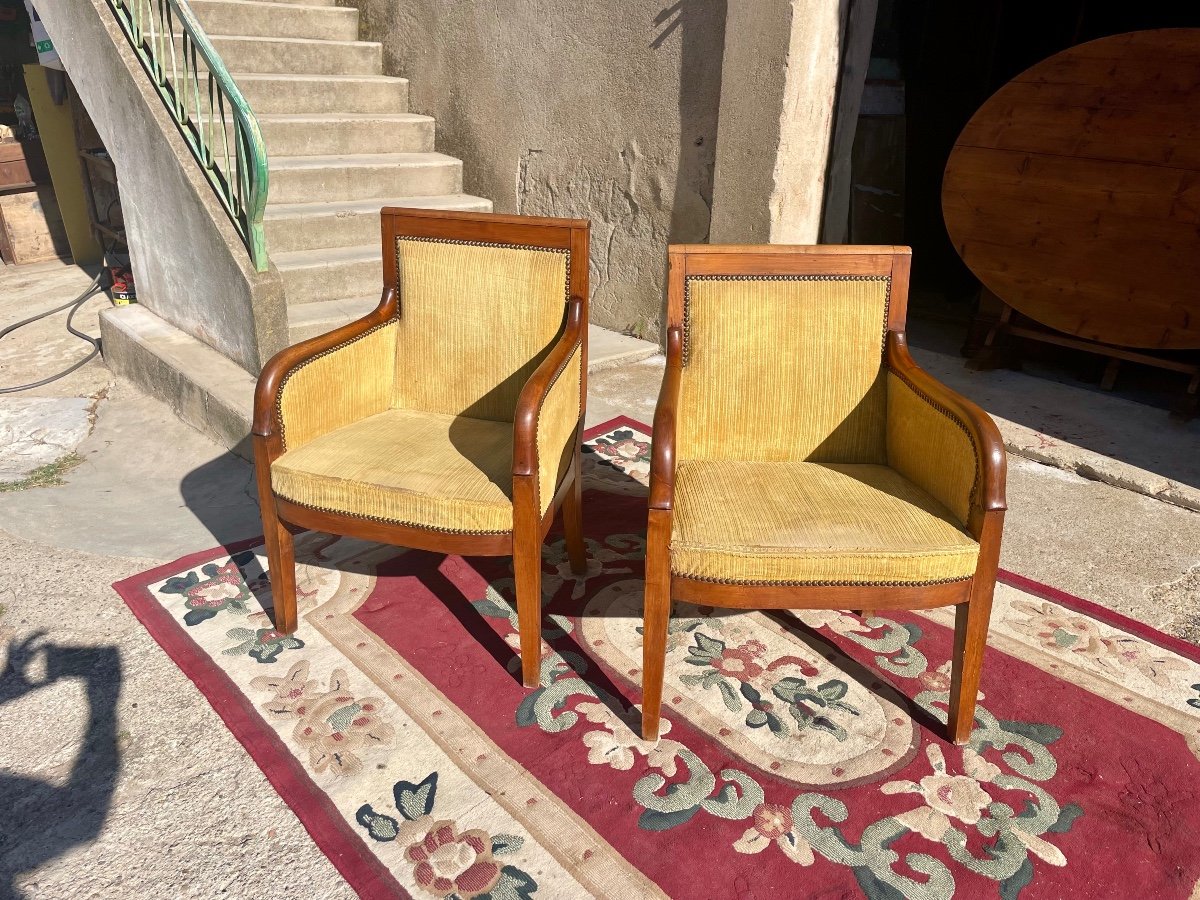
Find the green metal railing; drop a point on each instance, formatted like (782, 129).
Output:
(213, 116)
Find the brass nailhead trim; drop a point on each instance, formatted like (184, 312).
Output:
(687, 289)
(977, 482)
(313, 359)
(502, 246)
(386, 521)
(710, 580)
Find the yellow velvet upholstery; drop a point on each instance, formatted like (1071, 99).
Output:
(412, 423)
(801, 458)
(784, 369)
(557, 422)
(359, 374)
(809, 523)
(930, 448)
(475, 321)
(432, 470)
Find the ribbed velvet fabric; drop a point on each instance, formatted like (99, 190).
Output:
(930, 449)
(475, 321)
(360, 374)
(416, 468)
(801, 522)
(556, 427)
(784, 370)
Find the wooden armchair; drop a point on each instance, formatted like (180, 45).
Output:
(802, 460)
(450, 418)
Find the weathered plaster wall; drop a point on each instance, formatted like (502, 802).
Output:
(782, 67)
(190, 266)
(605, 110)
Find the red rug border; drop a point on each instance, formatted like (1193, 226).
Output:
(334, 837)
(344, 847)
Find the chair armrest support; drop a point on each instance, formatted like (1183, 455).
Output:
(537, 389)
(662, 452)
(988, 492)
(275, 374)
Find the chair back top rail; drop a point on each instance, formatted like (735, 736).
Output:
(209, 109)
(773, 260)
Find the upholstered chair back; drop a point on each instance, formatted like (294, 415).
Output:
(476, 319)
(784, 368)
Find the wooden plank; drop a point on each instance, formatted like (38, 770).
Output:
(1074, 192)
(34, 226)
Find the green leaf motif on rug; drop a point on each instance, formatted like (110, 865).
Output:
(263, 644)
(416, 800)
(224, 589)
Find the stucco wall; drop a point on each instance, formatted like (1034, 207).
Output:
(605, 110)
(190, 266)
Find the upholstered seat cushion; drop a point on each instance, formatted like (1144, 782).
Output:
(799, 522)
(449, 473)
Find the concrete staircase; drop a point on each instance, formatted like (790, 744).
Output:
(341, 144)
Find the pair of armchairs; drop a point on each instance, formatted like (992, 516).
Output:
(800, 459)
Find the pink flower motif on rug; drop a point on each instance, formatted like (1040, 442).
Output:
(447, 863)
(1061, 631)
(332, 725)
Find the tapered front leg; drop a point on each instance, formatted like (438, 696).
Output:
(281, 568)
(281, 548)
(970, 642)
(572, 513)
(656, 616)
(970, 631)
(527, 567)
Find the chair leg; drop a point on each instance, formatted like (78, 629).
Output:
(572, 514)
(527, 567)
(281, 568)
(970, 641)
(656, 617)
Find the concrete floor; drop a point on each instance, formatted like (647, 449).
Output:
(167, 803)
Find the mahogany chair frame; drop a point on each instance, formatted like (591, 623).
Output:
(972, 598)
(281, 518)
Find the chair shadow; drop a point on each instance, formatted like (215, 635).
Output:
(859, 672)
(44, 820)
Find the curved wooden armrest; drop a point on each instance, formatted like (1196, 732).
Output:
(533, 395)
(662, 447)
(270, 380)
(979, 425)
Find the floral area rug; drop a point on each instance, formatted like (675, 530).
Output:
(801, 756)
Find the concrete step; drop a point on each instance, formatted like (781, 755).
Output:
(249, 17)
(314, 226)
(334, 134)
(310, 319)
(298, 56)
(313, 276)
(296, 179)
(607, 349)
(204, 387)
(315, 94)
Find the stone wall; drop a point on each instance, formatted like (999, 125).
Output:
(605, 110)
(190, 266)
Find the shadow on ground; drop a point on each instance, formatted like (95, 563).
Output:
(42, 820)
(221, 495)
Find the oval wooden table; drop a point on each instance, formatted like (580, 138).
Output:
(1073, 193)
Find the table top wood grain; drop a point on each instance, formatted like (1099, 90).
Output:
(1073, 193)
